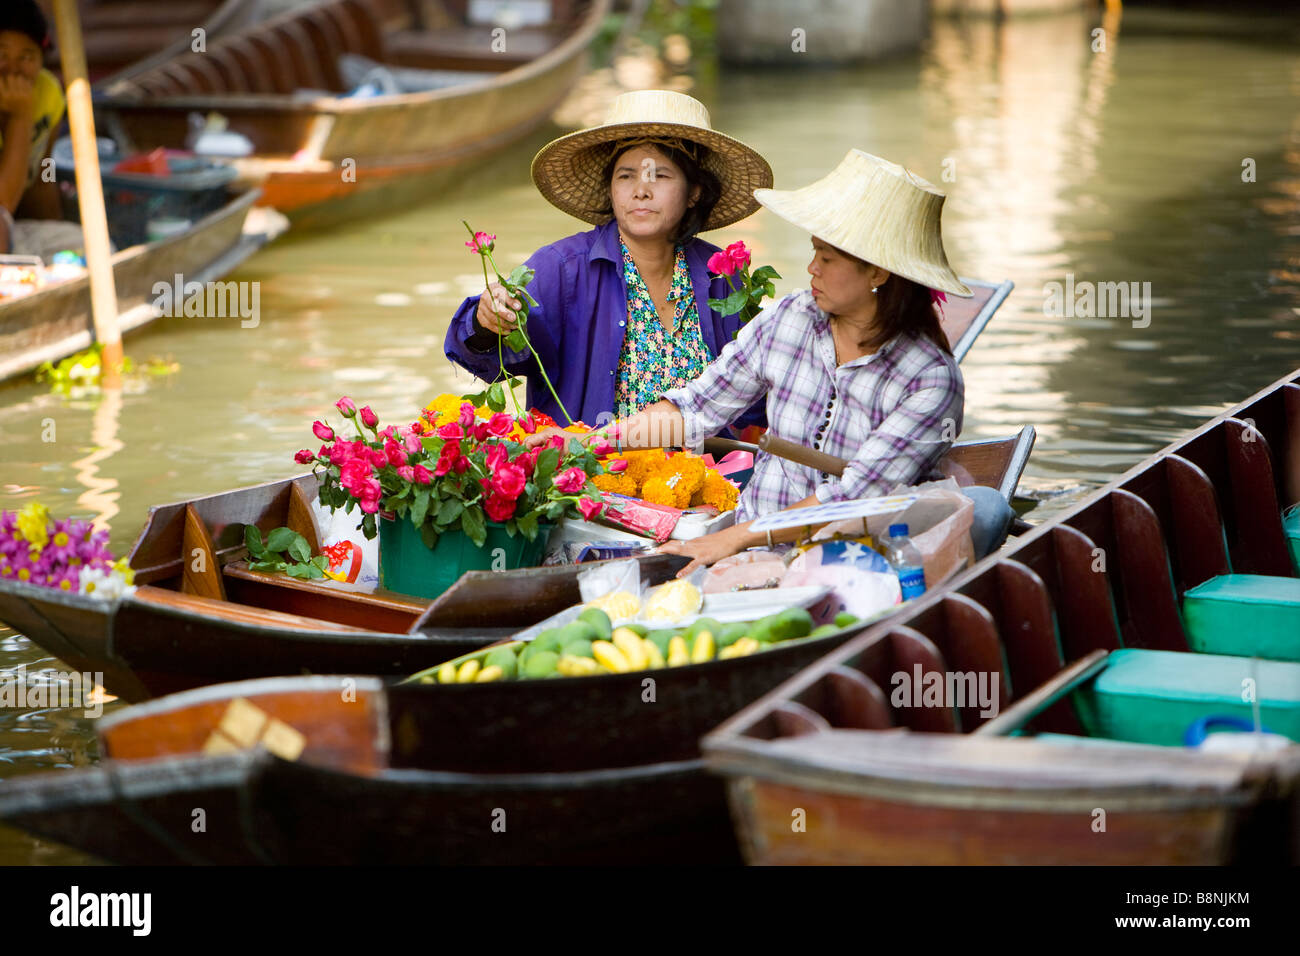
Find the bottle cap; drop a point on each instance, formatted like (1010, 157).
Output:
(898, 531)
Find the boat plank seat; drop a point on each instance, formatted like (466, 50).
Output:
(237, 613)
(967, 637)
(359, 27)
(280, 76)
(248, 59)
(385, 611)
(856, 701)
(909, 649)
(328, 43)
(467, 48)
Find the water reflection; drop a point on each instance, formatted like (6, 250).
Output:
(101, 495)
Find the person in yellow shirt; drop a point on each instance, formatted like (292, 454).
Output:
(31, 107)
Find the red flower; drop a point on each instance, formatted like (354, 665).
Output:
(406, 473)
(353, 476)
(395, 452)
(617, 465)
(376, 457)
(499, 507)
(370, 495)
(571, 481)
(497, 456)
(590, 509)
(368, 417)
(481, 243)
(556, 441)
(422, 476)
(322, 431)
(602, 448)
(480, 431)
(462, 465)
(720, 264)
(509, 480)
(304, 457)
(500, 424)
(451, 431)
(528, 461)
(529, 425)
(738, 255)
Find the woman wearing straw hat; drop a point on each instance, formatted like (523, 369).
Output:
(860, 360)
(623, 312)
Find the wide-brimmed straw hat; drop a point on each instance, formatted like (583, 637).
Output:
(875, 210)
(567, 171)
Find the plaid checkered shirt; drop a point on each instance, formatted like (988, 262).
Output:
(893, 414)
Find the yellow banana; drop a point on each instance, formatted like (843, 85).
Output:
(629, 642)
(467, 672)
(489, 674)
(703, 650)
(571, 665)
(447, 673)
(677, 652)
(746, 646)
(609, 655)
(653, 656)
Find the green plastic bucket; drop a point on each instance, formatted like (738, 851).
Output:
(408, 566)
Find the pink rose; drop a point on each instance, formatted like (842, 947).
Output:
(421, 475)
(509, 480)
(617, 465)
(451, 431)
(720, 264)
(590, 509)
(304, 457)
(406, 473)
(396, 453)
(376, 457)
(389, 433)
(322, 431)
(571, 481)
(346, 406)
(443, 466)
(500, 424)
(528, 461)
(466, 415)
(738, 255)
(528, 425)
(499, 508)
(480, 431)
(368, 417)
(497, 456)
(353, 476)
(602, 448)
(370, 496)
(556, 441)
(462, 465)
(412, 443)
(481, 243)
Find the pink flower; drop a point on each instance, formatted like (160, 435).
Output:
(389, 432)
(497, 456)
(509, 480)
(368, 417)
(481, 243)
(738, 255)
(499, 508)
(376, 457)
(421, 475)
(556, 441)
(528, 461)
(480, 431)
(444, 465)
(451, 431)
(322, 431)
(371, 493)
(304, 457)
(500, 424)
(462, 465)
(720, 264)
(353, 476)
(466, 415)
(590, 509)
(346, 406)
(396, 453)
(406, 473)
(617, 465)
(602, 448)
(528, 425)
(412, 443)
(571, 481)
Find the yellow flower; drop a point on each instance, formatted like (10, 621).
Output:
(618, 484)
(718, 492)
(445, 407)
(33, 524)
(669, 491)
(124, 569)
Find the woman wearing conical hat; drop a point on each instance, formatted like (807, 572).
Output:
(857, 366)
(623, 313)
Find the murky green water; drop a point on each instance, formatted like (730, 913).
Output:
(1121, 165)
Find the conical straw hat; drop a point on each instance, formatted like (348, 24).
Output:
(567, 171)
(875, 210)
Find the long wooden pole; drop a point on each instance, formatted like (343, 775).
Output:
(90, 192)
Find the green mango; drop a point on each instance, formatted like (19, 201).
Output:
(551, 639)
(730, 633)
(541, 664)
(824, 630)
(712, 625)
(761, 630)
(791, 623)
(504, 658)
(599, 621)
(845, 619)
(579, 631)
(661, 638)
(578, 648)
(640, 630)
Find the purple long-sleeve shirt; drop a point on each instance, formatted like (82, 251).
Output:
(580, 321)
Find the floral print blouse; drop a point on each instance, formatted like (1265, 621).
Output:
(653, 359)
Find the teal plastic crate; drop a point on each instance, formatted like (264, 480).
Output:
(1152, 697)
(1247, 615)
(1291, 527)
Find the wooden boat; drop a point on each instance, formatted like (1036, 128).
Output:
(183, 629)
(873, 782)
(313, 150)
(122, 37)
(56, 320)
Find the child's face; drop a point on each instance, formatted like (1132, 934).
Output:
(19, 56)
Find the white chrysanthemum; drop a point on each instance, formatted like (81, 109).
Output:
(104, 584)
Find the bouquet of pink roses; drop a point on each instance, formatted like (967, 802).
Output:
(457, 475)
(748, 289)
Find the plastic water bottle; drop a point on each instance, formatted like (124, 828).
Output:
(905, 559)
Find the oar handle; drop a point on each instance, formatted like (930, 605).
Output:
(791, 451)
